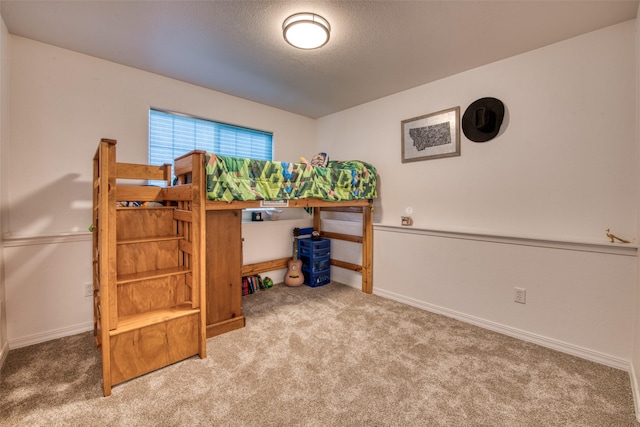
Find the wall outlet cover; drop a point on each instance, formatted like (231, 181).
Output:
(520, 295)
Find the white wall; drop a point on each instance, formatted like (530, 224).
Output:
(563, 169)
(635, 359)
(4, 122)
(61, 104)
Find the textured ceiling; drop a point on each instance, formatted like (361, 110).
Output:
(376, 48)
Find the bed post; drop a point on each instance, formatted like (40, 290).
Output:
(199, 242)
(316, 220)
(367, 249)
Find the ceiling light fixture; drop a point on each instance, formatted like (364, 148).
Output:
(306, 30)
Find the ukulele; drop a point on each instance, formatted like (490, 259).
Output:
(294, 276)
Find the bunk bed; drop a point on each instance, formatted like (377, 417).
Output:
(229, 185)
(168, 260)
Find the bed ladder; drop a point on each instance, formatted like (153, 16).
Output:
(366, 240)
(148, 281)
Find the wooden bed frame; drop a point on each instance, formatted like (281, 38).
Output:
(224, 244)
(201, 295)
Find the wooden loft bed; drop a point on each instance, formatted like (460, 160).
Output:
(224, 243)
(167, 262)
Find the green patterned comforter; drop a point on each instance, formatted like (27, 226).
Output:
(231, 178)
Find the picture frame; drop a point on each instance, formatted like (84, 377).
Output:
(431, 136)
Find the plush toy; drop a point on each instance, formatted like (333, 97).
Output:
(267, 282)
(320, 159)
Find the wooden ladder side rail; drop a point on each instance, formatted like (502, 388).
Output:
(366, 267)
(191, 186)
(97, 326)
(105, 228)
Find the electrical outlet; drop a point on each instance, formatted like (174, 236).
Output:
(88, 289)
(520, 295)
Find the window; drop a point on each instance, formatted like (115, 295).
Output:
(172, 135)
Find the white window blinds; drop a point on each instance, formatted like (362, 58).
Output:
(172, 135)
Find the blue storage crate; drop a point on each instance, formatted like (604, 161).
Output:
(316, 261)
(316, 279)
(314, 248)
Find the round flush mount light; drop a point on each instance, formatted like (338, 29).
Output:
(306, 30)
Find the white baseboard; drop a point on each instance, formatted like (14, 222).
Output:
(354, 280)
(554, 344)
(50, 335)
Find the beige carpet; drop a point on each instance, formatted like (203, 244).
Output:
(318, 357)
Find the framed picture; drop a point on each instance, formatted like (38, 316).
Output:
(432, 136)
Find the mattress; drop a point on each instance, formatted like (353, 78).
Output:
(231, 178)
